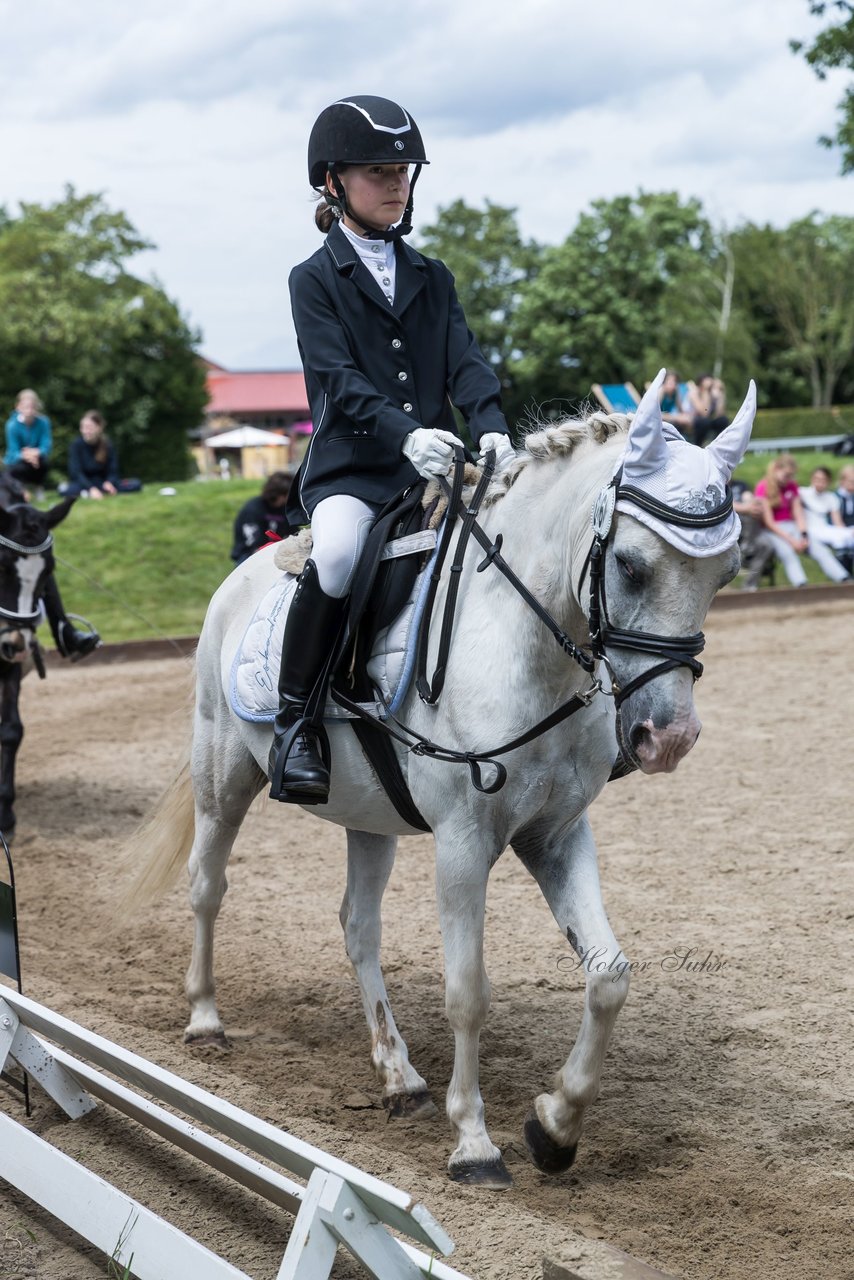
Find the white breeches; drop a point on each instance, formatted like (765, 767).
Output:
(787, 555)
(339, 529)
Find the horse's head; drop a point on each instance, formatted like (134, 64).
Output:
(667, 540)
(26, 559)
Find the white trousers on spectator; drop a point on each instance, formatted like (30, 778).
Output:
(339, 529)
(787, 555)
(820, 550)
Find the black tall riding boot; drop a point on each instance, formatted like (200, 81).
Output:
(70, 643)
(298, 772)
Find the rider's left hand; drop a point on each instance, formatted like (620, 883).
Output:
(504, 451)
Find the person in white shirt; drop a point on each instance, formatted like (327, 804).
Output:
(825, 528)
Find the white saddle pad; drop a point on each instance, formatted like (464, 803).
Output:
(255, 670)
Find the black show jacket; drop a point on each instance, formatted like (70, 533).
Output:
(376, 370)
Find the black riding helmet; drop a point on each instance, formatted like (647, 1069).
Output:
(364, 130)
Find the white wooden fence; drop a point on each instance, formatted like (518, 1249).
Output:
(334, 1204)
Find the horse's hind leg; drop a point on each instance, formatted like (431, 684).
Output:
(225, 782)
(566, 870)
(370, 859)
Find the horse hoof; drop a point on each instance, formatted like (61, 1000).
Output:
(412, 1106)
(208, 1040)
(493, 1176)
(545, 1153)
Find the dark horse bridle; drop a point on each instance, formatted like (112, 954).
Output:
(674, 651)
(13, 620)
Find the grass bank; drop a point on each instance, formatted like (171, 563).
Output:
(146, 564)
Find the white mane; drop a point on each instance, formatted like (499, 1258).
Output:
(559, 440)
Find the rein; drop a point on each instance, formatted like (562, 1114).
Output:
(674, 651)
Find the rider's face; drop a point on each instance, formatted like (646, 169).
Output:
(376, 194)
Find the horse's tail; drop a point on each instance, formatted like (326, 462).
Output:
(160, 847)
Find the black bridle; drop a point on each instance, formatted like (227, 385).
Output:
(12, 620)
(674, 651)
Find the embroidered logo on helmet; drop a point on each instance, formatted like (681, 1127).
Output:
(398, 144)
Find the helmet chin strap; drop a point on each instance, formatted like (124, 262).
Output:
(402, 228)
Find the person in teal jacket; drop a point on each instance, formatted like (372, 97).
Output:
(28, 441)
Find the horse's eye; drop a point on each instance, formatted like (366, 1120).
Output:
(627, 569)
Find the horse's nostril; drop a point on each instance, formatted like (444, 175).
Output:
(638, 736)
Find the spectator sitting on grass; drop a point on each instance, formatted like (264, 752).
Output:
(93, 465)
(673, 409)
(825, 525)
(784, 516)
(28, 442)
(707, 401)
(755, 542)
(260, 514)
(845, 494)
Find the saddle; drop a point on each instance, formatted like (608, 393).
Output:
(382, 586)
(372, 664)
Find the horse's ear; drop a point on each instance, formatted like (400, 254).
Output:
(646, 449)
(58, 513)
(731, 445)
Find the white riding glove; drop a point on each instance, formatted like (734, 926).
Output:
(503, 446)
(430, 451)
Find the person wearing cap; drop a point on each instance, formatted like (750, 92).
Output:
(387, 354)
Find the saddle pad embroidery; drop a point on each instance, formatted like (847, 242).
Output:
(253, 687)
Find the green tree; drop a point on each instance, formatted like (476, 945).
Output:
(492, 265)
(833, 48)
(77, 326)
(639, 283)
(801, 280)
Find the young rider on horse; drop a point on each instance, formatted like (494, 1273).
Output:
(386, 352)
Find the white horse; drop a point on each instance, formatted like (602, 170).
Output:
(669, 545)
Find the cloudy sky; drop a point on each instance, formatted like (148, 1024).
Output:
(193, 117)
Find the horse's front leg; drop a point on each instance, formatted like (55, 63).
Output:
(462, 869)
(565, 867)
(11, 733)
(370, 859)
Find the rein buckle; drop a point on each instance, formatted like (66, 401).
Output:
(589, 694)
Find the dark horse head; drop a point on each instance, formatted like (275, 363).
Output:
(26, 559)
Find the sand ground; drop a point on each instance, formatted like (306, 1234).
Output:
(721, 1145)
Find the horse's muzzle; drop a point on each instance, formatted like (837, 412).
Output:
(660, 750)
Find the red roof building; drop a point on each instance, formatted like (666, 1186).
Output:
(268, 398)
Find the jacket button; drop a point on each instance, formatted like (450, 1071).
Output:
(402, 376)
(396, 343)
(407, 408)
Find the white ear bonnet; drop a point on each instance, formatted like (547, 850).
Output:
(669, 473)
